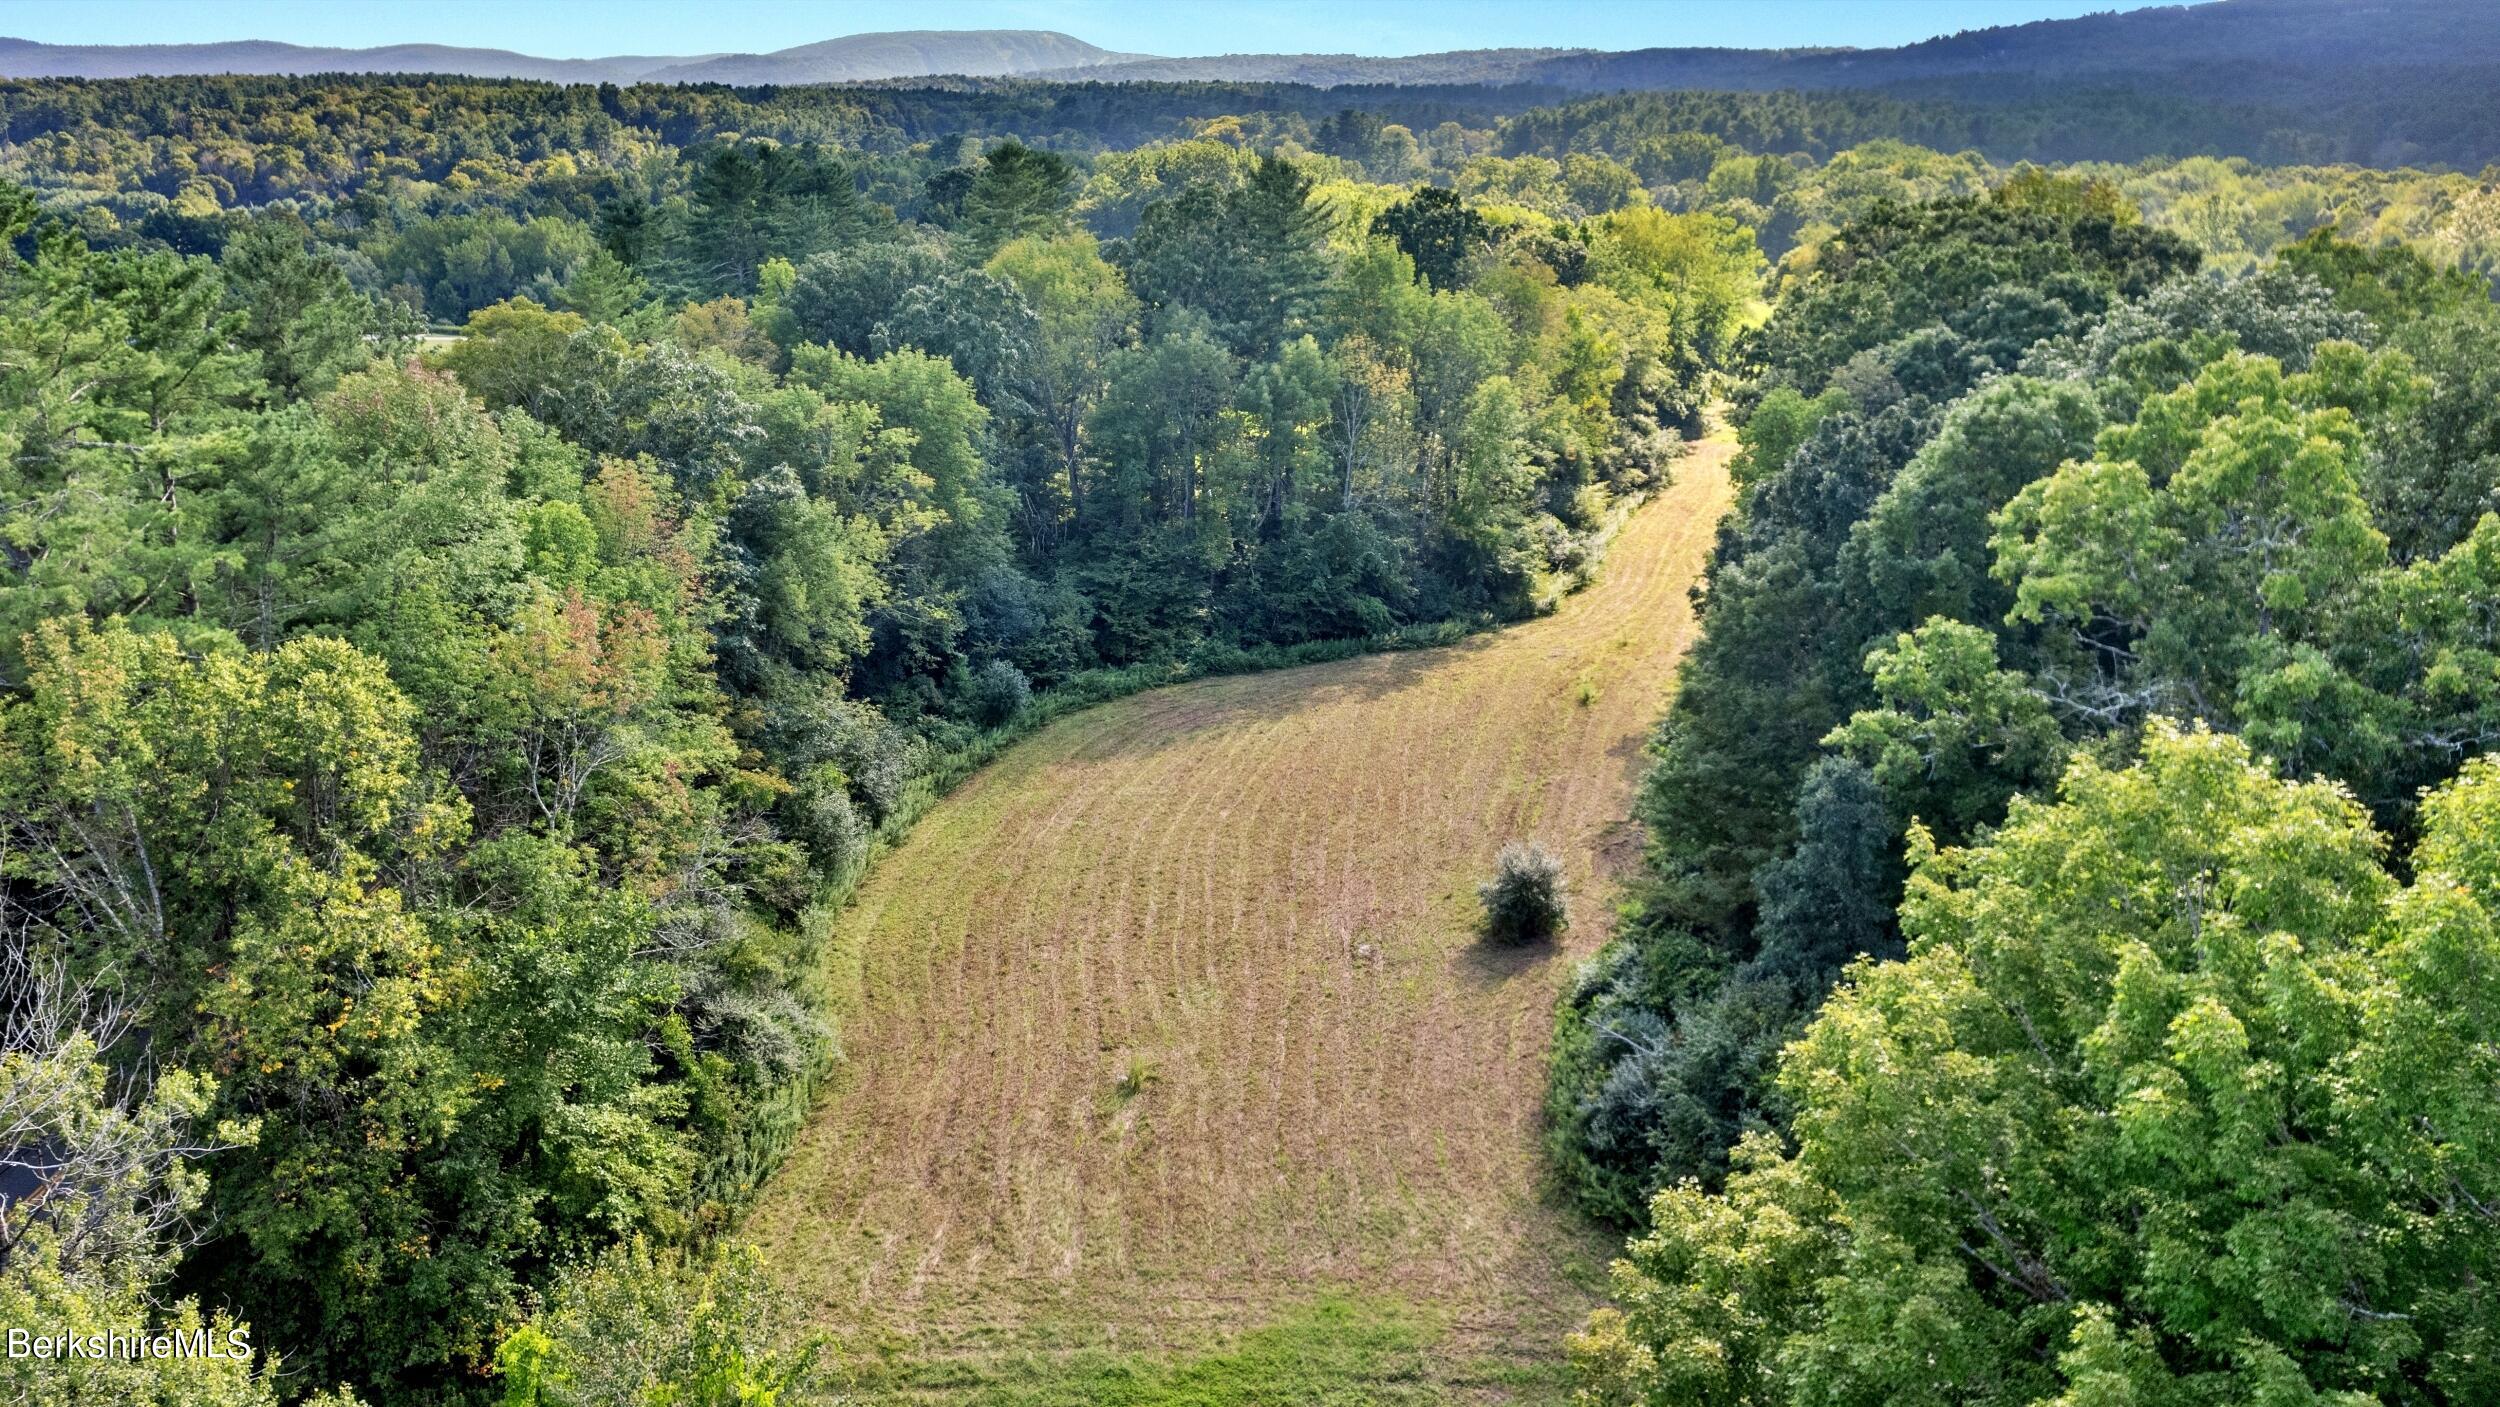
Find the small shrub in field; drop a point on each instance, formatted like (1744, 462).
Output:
(1523, 902)
(1134, 1080)
(820, 815)
(999, 691)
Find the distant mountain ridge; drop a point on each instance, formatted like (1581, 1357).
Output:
(1330, 70)
(2256, 34)
(915, 53)
(24, 58)
(977, 53)
(2242, 41)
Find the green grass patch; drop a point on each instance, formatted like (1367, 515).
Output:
(1337, 1351)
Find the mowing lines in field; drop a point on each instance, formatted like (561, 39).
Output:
(1174, 1015)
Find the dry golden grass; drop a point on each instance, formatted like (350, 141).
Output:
(1174, 1017)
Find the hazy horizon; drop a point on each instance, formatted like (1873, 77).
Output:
(554, 30)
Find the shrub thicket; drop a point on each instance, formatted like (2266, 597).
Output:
(1523, 902)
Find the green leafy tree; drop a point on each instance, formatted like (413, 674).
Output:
(434, 1099)
(1288, 401)
(1923, 549)
(1249, 259)
(978, 322)
(644, 1326)
(2391, 285)
(2208, 549)
(837, 298)
(948, 518)
(1437, 231)
(1826, 903)
(1524, 901)
(1083, 314)
(456, 263)
(1703, 270)
(121, 418)
(1780, 422)
(301, 314)
(1956, 737)
(1161, 425)
(2153, 1111)
(2434, 470)
(1018, 192)
(750, 201)
(603, 289)
(518, 353)
(1902, 267)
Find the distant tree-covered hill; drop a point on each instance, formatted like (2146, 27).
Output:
(2233, 43)
(849, 59)
(24, 58)
(2233, 48)
(911, 53)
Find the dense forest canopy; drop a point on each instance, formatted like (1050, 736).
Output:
(2064, 970)
(484, 566)
(439, 758)
(451, 194)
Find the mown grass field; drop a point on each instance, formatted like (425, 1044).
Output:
(1175, 1072)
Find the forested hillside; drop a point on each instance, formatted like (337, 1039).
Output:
(439, 767)
(2301, 57)
(449, 195)
(2313, 80)
(487, 568)
(2065, 969)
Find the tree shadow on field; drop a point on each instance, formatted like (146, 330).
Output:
(1488, 962)
(1361, 678)
(1172, 714)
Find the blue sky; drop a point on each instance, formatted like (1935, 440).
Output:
(590, 28)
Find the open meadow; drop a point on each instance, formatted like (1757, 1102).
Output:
(1173, 1038)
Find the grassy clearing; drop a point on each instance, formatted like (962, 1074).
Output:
(1336, 1349)
(1174, 1015)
